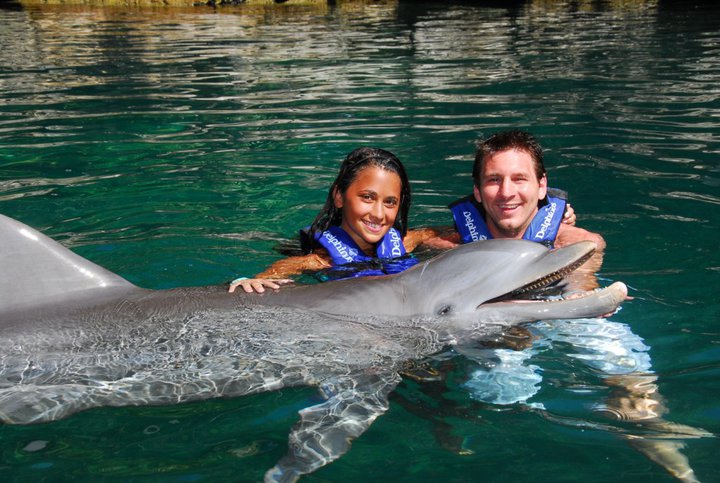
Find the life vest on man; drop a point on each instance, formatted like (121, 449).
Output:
(469, 216)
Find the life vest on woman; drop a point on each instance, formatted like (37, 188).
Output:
(350, 261)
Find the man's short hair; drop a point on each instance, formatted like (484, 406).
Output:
(502, 141)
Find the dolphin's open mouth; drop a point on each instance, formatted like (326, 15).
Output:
(533, 290)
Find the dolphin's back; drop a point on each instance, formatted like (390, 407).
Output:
(35, 270)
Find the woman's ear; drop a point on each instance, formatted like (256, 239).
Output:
(337, 198)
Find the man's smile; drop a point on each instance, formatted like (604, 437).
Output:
(508, 206)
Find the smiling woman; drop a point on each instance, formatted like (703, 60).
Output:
(364, 221)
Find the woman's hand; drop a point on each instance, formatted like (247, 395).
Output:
(250, 285)
(569, 217)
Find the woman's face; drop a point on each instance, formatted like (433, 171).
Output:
(369, 206)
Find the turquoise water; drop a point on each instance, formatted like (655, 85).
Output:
(179, 147)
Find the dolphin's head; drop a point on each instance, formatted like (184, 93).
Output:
(501, 270)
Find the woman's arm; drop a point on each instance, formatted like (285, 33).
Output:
(296, 265)
(277, 274)
(434, 237)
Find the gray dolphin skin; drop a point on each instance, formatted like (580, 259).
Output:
(75, 336)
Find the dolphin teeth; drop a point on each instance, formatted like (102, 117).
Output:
(530, 289)
(552, 277)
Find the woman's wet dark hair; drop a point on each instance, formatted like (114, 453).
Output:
(355, 162)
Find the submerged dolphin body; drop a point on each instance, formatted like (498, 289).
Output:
(76, 336)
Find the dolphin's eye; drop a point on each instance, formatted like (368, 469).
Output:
(444, 310)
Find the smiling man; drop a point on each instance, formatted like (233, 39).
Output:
(510, 197)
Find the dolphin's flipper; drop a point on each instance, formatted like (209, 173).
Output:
(325, 431)
(37, 269)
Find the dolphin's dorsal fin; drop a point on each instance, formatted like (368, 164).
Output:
(36, 270)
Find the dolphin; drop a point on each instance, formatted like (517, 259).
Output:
(76, 336)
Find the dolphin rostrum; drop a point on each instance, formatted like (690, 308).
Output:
(76, 336)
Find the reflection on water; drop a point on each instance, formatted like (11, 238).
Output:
(178, 146)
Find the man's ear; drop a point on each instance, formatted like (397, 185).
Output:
(542, 192)
(476, 194)
(337, 198)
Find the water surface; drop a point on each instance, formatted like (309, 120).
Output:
(180, 147)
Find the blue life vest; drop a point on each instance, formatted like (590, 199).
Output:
(350, 261)
(470, 223)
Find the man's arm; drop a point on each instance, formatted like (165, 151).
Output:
(584, 277)
(567, 235)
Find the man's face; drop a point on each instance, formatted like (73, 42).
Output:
(509, 191)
